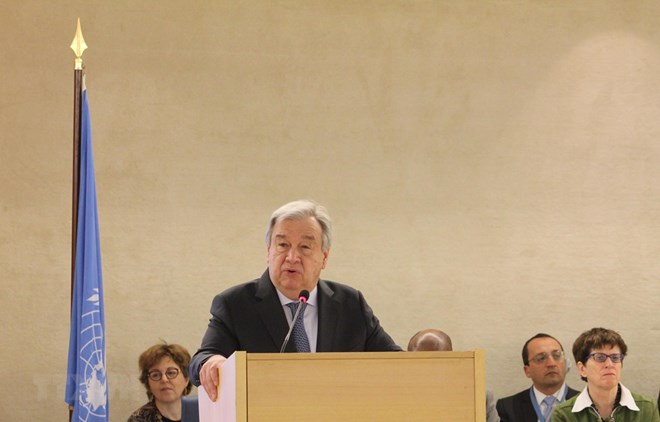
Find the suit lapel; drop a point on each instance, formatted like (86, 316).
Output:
(268, 305)
(529, 414)
(329, 310)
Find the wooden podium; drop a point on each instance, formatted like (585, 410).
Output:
(367, 386)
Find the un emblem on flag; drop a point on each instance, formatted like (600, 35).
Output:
(93, 387)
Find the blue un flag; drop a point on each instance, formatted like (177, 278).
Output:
(86, 386)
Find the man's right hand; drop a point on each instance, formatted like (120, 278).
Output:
(208, 375)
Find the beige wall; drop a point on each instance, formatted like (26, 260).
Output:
(492, 169)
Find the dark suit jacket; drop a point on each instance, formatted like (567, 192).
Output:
(250, 317)
(519, 407)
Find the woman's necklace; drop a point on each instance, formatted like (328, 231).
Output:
(616, 404)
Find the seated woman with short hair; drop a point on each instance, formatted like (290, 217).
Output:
(164, 373)
(599, 354)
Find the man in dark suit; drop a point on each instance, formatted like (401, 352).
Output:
(545, 364)
(255, 316)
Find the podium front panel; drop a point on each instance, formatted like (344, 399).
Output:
(383, 386)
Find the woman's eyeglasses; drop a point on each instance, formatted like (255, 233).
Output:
(602, 357)
(170, 373)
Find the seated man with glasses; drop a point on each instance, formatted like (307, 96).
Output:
(599, 354)
(545, 364)
(164, 374)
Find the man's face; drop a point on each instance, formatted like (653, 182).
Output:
(547, 375)
(295, 257)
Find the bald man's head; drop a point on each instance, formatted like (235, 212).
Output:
(430, 340)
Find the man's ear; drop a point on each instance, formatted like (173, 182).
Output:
(325, 258)
(526, 369)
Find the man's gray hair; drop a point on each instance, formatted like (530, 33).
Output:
(298, 210)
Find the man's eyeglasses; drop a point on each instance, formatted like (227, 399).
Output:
(602, 357)
(170, 373)
(542, 357)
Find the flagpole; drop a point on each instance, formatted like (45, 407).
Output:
(78, 46)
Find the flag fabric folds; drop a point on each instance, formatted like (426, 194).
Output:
(86, 386)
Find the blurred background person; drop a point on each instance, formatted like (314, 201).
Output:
(431, 339)
(164, 374)
(546, 365)
(599, 355)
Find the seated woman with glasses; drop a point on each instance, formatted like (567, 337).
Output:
(164, 373)
(599, 354)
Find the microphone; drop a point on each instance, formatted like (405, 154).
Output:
(302, 301)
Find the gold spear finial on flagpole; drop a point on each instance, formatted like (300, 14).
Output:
(78, 46)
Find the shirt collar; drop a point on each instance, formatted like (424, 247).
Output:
(583, 400)
(313, 297)
(627, 399)
(559, 394)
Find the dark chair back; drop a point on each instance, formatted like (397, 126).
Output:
(189, 409)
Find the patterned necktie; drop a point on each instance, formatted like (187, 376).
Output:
(549, 404)
(298, 333)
